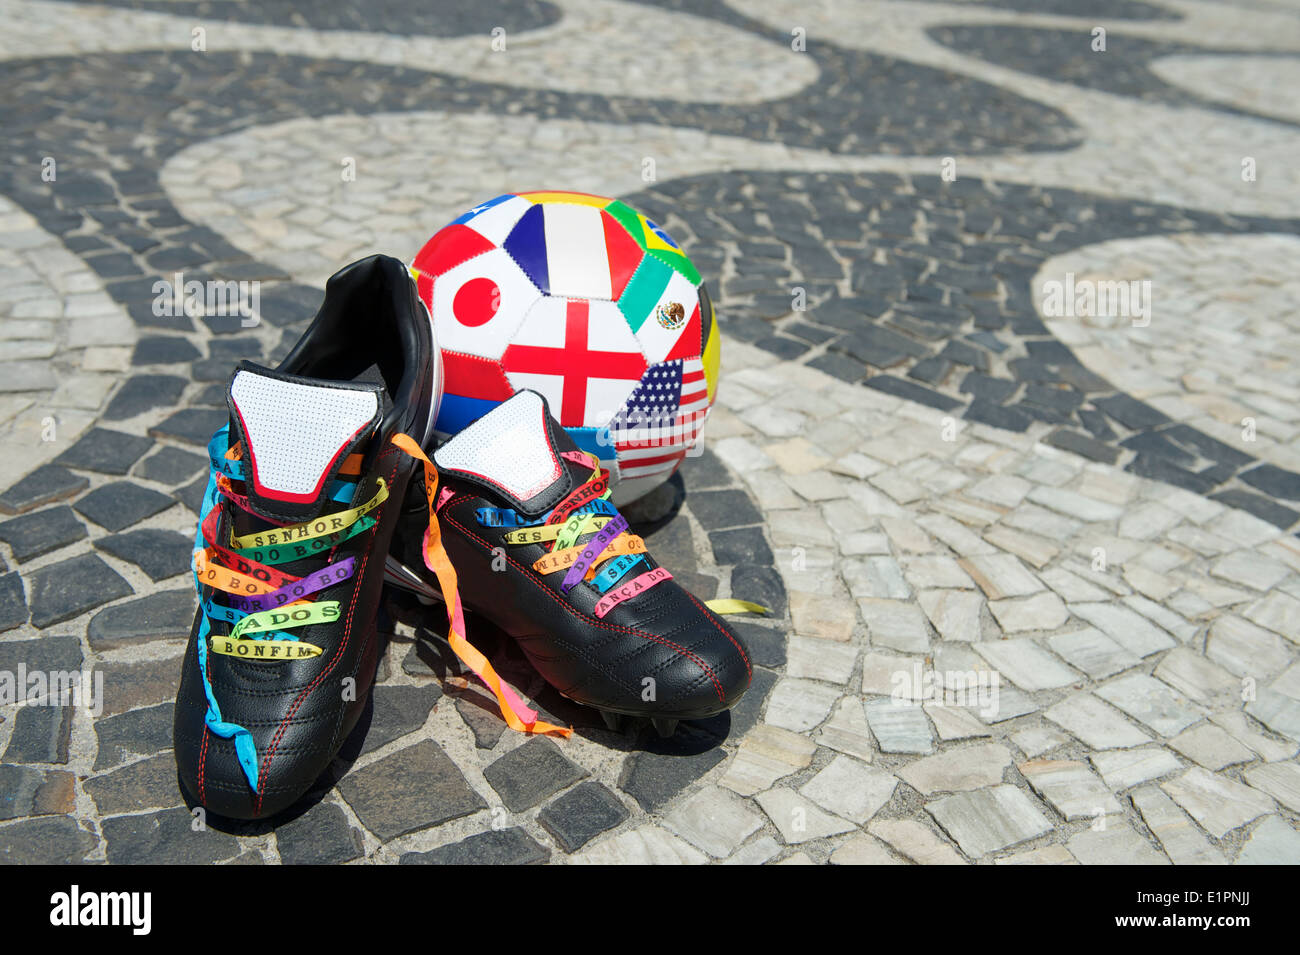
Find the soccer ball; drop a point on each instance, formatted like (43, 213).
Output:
(587, 302)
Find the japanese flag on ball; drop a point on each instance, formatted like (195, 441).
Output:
(588, 302)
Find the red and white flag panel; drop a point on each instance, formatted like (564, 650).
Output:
(478, 304)
(581, 355)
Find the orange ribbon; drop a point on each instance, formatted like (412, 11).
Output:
(516, 714)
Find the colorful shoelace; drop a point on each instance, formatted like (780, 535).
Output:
(585, 510)
(263, 604)
(245, 590)
(606, 560)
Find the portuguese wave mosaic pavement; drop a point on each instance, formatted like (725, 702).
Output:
(919, 472)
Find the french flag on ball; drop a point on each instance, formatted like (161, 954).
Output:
(660, 422)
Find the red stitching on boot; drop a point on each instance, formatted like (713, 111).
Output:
(663, 641)
(203, 758)
(347, 633)
(722, 630)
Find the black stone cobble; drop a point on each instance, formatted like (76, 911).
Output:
(165, 837)
(45, 485)
(530, 773)
(27, 791)
(812, 334)
(170, 466)
(163, 350)
(13, 602)
(1162, 469)
(1155, 443)
(144, 393)
(704, 471)
(142, 785)
(1097, 424)
(1266, 509)
(53, 840)
(1207, 447)
(840, 366)
(63, 590)
(766, 645)
(986, 388)
(1083, 445)
(581, 814)
(120, 504)
(41, 733)
(654, 778)
(414, 788)
(932, 370)
(320, 836)
(511, 846)
(965, 354)
(191, 495)
(901, 388)
(41, 532)
(1038, 412)
(744, 716)
(719, 509)
(192, 425)
(398, 710)
(142, 732)
(1062, 400)
(160, 554)
(47, 653)
(745, 545)
(879, 347)
(761, 584)
(1274, 481)
(105, 451)
(1131, 413)
(787, 349)
(1006, 418)
(484, 723)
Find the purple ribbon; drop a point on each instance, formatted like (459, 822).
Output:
(595, 547)
(314, 582)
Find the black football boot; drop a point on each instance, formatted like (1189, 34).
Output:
(539, 551)
(306, 486)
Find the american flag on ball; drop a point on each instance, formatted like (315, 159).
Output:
(662, 419)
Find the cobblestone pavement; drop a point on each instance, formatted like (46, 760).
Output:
(1033, 574)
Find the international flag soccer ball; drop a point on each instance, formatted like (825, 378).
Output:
(588, 302)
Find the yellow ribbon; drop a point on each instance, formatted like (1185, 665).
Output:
(547, 532)
(264, 649)
(725, 605)
(319, 527)
(297, 615)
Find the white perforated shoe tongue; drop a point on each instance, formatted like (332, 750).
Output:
(296, 433)
(513, 452)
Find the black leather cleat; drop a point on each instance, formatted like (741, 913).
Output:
(306, 488)
(540, 552)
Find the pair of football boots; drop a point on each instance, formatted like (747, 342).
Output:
(324, 480)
